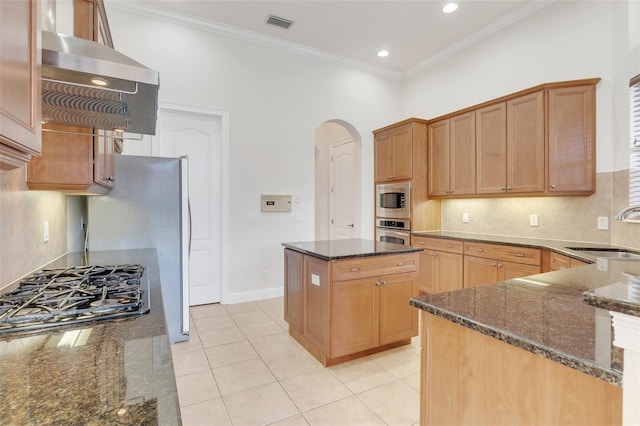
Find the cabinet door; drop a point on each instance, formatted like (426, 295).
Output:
(491, 149)
(103, 158)
(20, 59)
(427, 272)
(354, 316)
(402, 158)
(478, 271)
(463, 154)
(398, 319)
(448, 271)
(438, 157)
(525, 144)
(383, 157)
(571, 118)
(293, 288)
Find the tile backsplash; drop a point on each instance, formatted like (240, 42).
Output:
(22, 213)
(561, 218)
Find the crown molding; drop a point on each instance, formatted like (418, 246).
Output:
(250, 36)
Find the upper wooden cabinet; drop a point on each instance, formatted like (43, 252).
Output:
(77, 160)
(452, 156)
(510, 146)
(540, 141)
(20, 68)
(393, 154)
(572, 156)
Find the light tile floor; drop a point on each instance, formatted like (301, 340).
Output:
(240, 367)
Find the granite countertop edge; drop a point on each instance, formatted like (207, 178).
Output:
(613, 377)
(380, 249)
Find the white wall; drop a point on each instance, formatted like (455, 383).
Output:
(276, 100)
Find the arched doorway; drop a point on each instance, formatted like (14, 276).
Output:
(337, 181)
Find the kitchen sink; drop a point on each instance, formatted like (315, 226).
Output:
(607, 253)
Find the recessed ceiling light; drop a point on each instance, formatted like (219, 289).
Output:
(450, 7)
(383, 53)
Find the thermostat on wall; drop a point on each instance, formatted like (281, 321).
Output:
(275, 203)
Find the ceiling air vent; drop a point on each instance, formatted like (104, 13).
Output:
(279, 22)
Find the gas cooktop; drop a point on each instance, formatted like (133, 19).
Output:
(64, 296)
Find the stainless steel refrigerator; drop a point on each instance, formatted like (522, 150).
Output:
(149, 208)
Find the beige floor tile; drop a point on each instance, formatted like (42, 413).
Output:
(413, 381)
(275, 313)
(297, 420)
(284, 356)
(230, 353)
(349, 411)
(402, 361)
(275, 302)
(251, 317)
(212, 412)
(197, 387)
(207, 311)
(193, 344)
(243, 375)
(266, 328)
(221, 336)
(313, 390)
(396, 403)
(260, 405)
(213, 323)
(236, 308)
(190, 362)
(361, 374)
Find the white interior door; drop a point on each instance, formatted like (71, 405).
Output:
(344, 190)
(198, 136)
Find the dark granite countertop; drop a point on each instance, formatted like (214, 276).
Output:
(546, 313)
(349, 248)
(104, 372)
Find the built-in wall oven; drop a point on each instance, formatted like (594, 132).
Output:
(393, 231)
(393, 200)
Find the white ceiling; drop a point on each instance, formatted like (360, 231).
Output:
(416, 33)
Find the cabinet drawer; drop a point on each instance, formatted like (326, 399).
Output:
(528, 256)
(373, 266)
(440, 244)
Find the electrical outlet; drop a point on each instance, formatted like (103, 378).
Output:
(465, 217)
(533, 220)
(603, 222)
(45, 231)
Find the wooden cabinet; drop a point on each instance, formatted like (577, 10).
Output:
(441, 264)
(510, 146)
(488, 263)
(293, 287)
(559, 261)
(393, 159)
(350, 307)
(74, 159)
(20, 70)
(571, 121)
(452, 156)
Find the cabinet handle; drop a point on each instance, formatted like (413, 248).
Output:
(553, 186)
(495, 265)
(384, 282)
(111, 178)
(518, 254)
(508, 188)
(354, 269)
(451, 191)
(400, 264)
(449, 245)
(377, 283)
(479, 250)
(499, 265)
(503, 188)
(390, 177)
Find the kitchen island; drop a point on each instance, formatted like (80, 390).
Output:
(94, 373)
(529, 350)
(349, 298)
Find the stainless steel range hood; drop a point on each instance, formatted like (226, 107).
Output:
(88, 84)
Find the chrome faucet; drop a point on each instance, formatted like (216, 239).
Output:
(627, 211)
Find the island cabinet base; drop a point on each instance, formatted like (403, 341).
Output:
(468, 378)
(348, 308)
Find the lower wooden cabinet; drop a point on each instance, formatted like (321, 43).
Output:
(441, 264)
(350, 308)
(488, 263)
(559, 261)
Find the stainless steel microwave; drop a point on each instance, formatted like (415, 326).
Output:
(393, 200)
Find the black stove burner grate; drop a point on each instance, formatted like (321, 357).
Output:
(55, 297)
